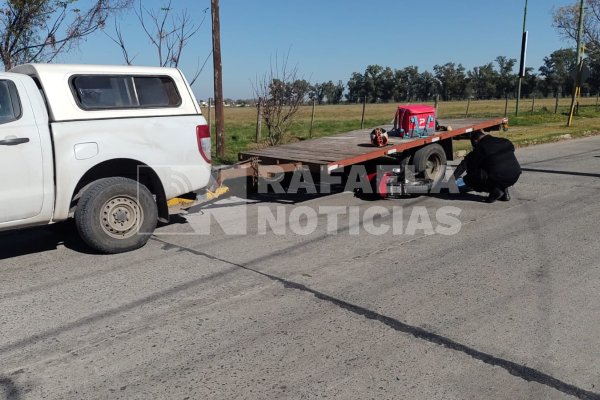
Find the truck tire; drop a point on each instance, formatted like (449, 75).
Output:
(430, 162)
(115, 215)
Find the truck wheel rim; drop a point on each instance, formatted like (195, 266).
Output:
(433, 167)
(121, 217)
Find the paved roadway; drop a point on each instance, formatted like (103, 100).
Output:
(507, 308)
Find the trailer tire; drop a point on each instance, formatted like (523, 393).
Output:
(430, 162)
(116, 215)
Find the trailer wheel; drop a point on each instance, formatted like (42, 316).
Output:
(115, 215)
(430, 162)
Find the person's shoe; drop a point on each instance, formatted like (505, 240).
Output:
(506, 196)
(494, 195)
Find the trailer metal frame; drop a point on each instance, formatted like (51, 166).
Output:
(332, 153)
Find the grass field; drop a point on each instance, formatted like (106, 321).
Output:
(540, 126)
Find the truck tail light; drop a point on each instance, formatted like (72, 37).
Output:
(203, 135)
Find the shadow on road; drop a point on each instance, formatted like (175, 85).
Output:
(37, 240)
(550, 171)
(478, 198)
(10, 389)
(239, 188)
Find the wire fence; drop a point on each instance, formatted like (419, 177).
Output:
(313, 120)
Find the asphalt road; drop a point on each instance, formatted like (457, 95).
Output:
(507, 307)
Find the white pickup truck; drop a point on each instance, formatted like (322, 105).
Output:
(105, 145)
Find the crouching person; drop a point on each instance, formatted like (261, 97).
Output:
(491, 167)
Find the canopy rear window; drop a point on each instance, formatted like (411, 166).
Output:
(106, 92)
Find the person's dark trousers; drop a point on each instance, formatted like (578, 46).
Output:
(478, 181)
(481, 183)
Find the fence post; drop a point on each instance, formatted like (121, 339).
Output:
(362, 120)
(259, 119)
(533, 104)
(556, 105)
(506, 106)
(312, 118)
(597, 96)
(468, 106)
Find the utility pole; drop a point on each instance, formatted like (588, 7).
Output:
(523, 58)
(218, 77)
(580, 51)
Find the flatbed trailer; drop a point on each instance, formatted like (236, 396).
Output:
(346, 149)
(332, 153)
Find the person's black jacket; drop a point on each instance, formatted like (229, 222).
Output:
(495, 156)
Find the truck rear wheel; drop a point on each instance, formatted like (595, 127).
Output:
(115, 215)
(430, 162)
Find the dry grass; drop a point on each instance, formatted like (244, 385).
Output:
(541, 126)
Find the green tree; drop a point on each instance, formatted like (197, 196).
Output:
(356, 88)
(557, 70)
(371, 82)
(506, 78)
(376, 84)
(406, 85)
(482, 81)
(337, 93)
(329, 91)
(385, 83)
(425, 86)
(566, 21)
(317, 92)
(451, 80)
(530, 84)
(593, 81)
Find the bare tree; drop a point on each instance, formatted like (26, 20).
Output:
(119, 40)
(282, 92)
(168, 33)
(40, 30)
(566, 21)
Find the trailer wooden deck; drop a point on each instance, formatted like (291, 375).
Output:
(334, 152)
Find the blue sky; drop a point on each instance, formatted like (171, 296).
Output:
(330, 39)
